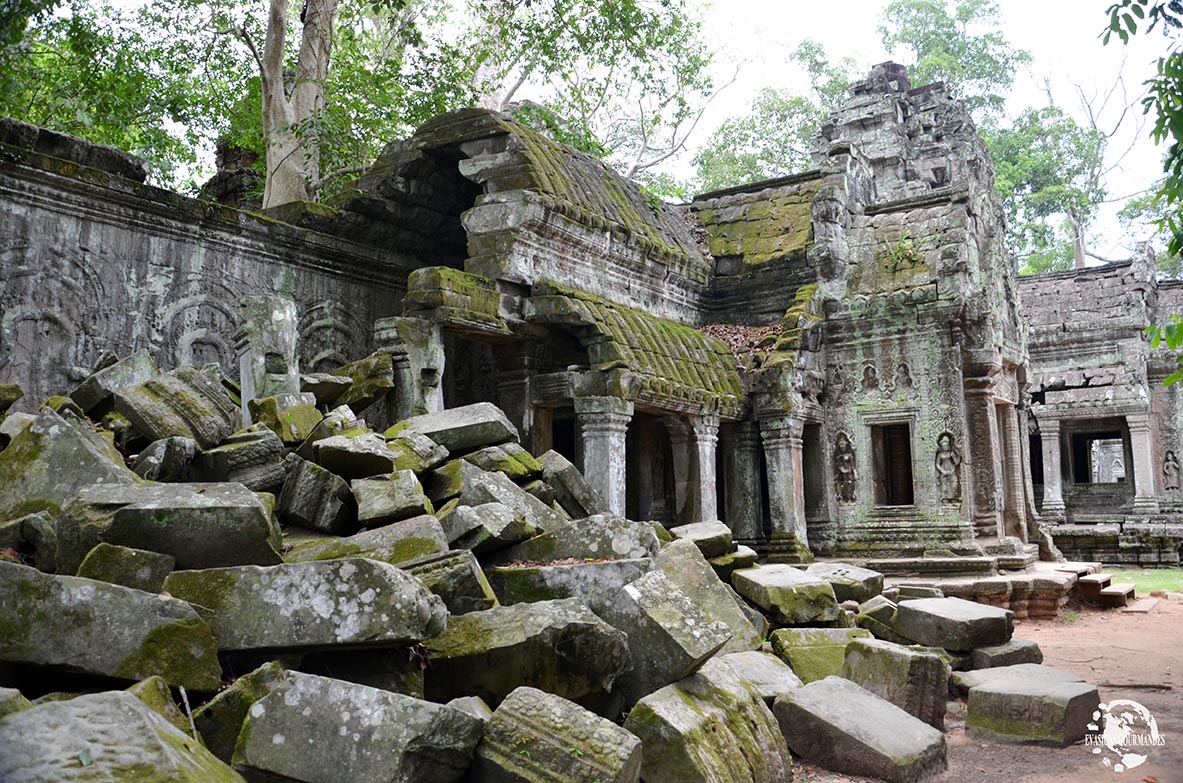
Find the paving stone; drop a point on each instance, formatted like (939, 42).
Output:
(604, 536)
(312, 729)
(534, 736)
(109, 736)
(455, 577)
(200, 525)
(1006, 654)
(850, 583)
(50, 460)
(396, 544)
(1025, 705)
(842, 727)
(83, 625)
(683, 562)
(669, 636)
(560, 647)
(788, 595)
(713, 538)
(252, 457)
(168, 459)
(815, 653)
(572, 491)
(486, 528)
(765, 675)
(316, 499)
(704, 729)
(96, 395)
(121, 565)
(311, 606)
(389, 498)
(953, 623)
(596, 583)
(463, 429)
(914, 680)
(187, 403)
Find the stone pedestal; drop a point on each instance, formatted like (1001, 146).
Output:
(603, 424)
(786, 489)
(693, 441)
(1145, 501)
(1053, 475)
(743, 512)
(266, 346)
(416, 346)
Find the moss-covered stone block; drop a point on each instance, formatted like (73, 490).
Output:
(121, 565)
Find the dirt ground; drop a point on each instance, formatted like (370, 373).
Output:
(1129, 656)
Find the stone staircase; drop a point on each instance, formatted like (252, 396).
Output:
(1099, 588)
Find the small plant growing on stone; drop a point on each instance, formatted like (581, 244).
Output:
(905, 252)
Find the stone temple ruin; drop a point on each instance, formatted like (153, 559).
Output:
(840, 364)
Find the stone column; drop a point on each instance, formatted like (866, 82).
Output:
(1053, 471)
(1015, 522)
(416, 346)
(266, 345)
(982, 454)
(1145, 498)
(744, 510)
(603, 424)
(513, 392)
(693, 445)
(786, 489)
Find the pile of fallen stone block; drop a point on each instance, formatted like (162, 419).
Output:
(306, 599)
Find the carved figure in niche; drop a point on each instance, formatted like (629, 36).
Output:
(948, 463)
(844, 472)
(1170, 470)
(870, 378)
(836, 389)
(903, 377)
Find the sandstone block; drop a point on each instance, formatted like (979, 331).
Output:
(765, 675)
(535, 735)
(93, 627)
(463, 429)
(594, 538)
(417, 452)
(96, 395)
(316, 729)
(220, 719)
(1023, 704)
(487, 528)
(455, 577)
(683, 562)
(311, 606)
(316, 499)
(712, 538)
(560, 647)
(815, 653)
(788, 595)
(1006, 654)
(850, 583)
(842, 727)
(354, 456)
(121, 565)
(395, 544)
(913, 680)
(727, 564)
(596, 584)
(572, 491)
(371, 379)
(389, 498)
(953, 623)
(704, 729)
(497, 488)
(252, 457)
(187, 403)
(166, 460)
(963, 681)
(508, 458)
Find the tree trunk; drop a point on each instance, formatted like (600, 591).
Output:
(1077, 241)
(293, 160)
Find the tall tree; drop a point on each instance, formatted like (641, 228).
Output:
(960, 44)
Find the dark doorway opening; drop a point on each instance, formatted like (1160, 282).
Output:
(891, 445)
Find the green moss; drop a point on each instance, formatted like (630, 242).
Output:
(183, 652)
(1006, 730)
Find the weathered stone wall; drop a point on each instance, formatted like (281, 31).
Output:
(94, 261)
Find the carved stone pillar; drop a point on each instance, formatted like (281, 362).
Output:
(1015, 510)
(982, 454)
(693, 443)
(513, 388)
(786, 489)
(741, 462)
(266, 344)
(1145, 497)
(416, 346)
(1053, 471)
(603, 424)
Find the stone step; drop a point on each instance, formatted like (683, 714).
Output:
(1031, 549)
(1016, 562)
(1117, 596)
(1142, 606)
(933, 566)
(1079, 568)
(1090, 586)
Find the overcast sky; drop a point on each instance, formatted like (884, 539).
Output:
(1062, 36)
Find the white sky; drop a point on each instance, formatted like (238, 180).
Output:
(1062, 36)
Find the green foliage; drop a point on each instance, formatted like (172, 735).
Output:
(961, 45)
(1148, 212)
(776, 136)
(1170, 337)
(1048, 174)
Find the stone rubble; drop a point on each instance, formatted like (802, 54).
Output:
(377, 594)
